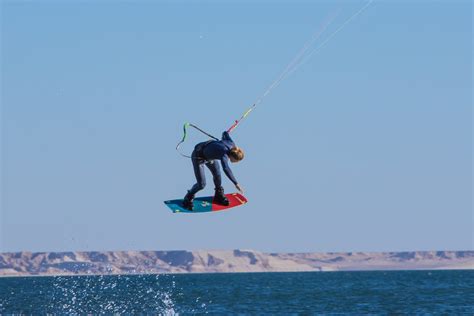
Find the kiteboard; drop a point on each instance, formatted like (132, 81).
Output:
(206, 204)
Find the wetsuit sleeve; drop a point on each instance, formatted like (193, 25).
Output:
(226, 168)
(226, 136)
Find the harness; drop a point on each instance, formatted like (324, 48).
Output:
(199, 150)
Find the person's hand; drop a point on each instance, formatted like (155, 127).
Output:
(238, 187)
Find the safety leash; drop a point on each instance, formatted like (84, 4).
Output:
(185, 134)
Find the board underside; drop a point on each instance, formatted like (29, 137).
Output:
(205, 204)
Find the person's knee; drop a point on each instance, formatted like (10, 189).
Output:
(201, 185)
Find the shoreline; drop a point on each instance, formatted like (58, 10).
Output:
(239, 272)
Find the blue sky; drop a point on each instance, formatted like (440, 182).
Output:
(365, 147)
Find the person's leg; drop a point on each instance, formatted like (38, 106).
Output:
(213, 166)
(219, 196)
(198, 166)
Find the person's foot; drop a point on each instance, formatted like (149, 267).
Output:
(220, 198)
(188, 201)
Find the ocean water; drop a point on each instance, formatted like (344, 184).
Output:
(391, 292)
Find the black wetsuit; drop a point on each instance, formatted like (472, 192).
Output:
(209, 153)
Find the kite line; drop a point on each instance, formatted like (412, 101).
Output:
(301, 58)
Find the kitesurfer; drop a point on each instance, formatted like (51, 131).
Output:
(209, 153)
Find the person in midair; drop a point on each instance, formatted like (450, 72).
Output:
(209, 153)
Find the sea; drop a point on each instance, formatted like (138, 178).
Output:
(309, 293)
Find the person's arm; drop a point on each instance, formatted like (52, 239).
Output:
(227, 170)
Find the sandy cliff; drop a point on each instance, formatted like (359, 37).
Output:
(123, 262)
